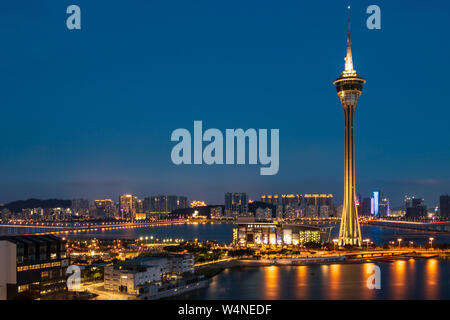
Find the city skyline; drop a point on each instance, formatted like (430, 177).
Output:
(89, 133)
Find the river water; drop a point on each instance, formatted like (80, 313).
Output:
(407, 279)
(401, 279)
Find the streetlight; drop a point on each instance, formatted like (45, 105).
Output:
(399, 241)
(431, 241)
(367, 242)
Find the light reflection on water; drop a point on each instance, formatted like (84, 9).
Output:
(272, 287)
(432, 276)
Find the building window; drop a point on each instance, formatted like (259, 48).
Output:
(22, 288)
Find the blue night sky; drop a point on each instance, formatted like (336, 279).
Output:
(89, 113)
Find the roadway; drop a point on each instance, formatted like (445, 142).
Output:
(102, 294)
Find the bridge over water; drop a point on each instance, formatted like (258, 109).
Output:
(439, 226)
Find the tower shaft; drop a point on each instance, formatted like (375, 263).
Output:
(349, 232)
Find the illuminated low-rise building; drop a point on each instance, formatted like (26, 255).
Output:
(250, 233)
(131, 276)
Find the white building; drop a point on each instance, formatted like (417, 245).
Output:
(128, 276)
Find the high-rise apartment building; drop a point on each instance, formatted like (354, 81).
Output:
(236, 204)
(444, 205)
(182, 202)
(317, 205)
(415, 208)
(172, 203)
(105, 208)
(80, 206)
(128, 206)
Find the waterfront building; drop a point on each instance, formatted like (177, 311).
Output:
(250, 233)
(349, 87)
(32, 267)
(131, 276)
(444, 203)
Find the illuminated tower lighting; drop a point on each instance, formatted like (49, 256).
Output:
(349, 88)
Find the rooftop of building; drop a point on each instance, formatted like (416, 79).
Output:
(30, 239)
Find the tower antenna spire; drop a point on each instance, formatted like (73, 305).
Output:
(349, 41)
(348, 59)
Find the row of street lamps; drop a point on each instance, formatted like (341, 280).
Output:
(367, 241)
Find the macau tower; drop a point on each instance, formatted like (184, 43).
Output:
(349, 87)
